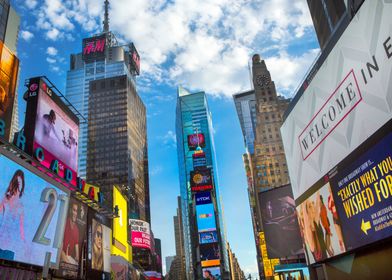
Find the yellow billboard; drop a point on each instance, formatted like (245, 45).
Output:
(120, 245)
(269, 264)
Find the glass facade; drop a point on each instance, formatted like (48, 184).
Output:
(193, 116)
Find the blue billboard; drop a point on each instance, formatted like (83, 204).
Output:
(205, 217)
(208, 237)
(203, 198)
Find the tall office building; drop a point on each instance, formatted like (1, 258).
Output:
(179, 239)
(236, 272)
(199, 182)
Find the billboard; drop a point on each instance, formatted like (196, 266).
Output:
(268, 264)
(99, 245)
(75, 239)
(201, 180)
(32, 217)
(280, 223)
(134, 58)
(94, 48)
(120, 225)
(199, 159)
(9, 66)
(212, 273)
(209, 254)
(208, 237)
(140, 234)
(205, 217)
(203, 198)
(347, 101)
(196, 140)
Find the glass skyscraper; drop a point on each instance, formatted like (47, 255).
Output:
(192, 117)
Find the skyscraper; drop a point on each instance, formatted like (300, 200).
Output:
(199, 182)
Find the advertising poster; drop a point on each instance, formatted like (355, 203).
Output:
(140, 234)
(120, 225)
(208, 237)
(9, 65)
(212, 273)
(99, 245)
(201, 180)
(280, 223)
(196, 140)
(209, 255)
(28, 203)
(135, 58)
(94, 48)
(119, 269)
(199, 160)
(203, 198)
(75, 239)
(268, 264)
(205, 218)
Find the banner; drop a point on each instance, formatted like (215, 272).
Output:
(140, 234)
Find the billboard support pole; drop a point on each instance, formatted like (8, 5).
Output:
(45, 270)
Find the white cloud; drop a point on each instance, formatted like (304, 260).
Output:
(51, 51)
(26, 35)
(169, 138)
(51, 60)
(31, 4)
(53, 34)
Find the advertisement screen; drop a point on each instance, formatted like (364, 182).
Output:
(196, 140)
(135, 58)
(203, 198)
(280, 223)
(9, 66)
(30, 213)
(120, 225)
(201, 180)
(212, 273)
(208, 237)
(75, 239)
(94, 48)
(140, 234)
(199, 160)
(337, 112)
(209, 254)
(205, 217)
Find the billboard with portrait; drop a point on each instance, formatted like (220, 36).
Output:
(212, 273)
(32, 217)
(75, 239)
(201, 180)
(9, 67)
(348, 99)
(280, 222)
(209, 254)
(205, 217)
(99, 246)
(208, 237)
(140, 234)
(196, 140)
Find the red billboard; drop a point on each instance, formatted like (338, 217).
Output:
(134, 58)
(201, 180)
(140, 234)
(196, 140)
(94, 48)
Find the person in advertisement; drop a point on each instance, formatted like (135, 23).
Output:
(207, 275)
(336, 221)
(327, 227)
(97, 256)
(70, 251)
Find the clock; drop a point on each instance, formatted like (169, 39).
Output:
(262, 80)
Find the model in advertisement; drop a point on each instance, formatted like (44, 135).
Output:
(70, 252)
(207, 275)
(336, 221)
(97, 256)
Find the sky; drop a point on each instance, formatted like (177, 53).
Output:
(201, 45)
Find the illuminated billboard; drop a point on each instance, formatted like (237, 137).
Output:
(348, 99)
(99, 246)
(196, 140)
(120, 225)
(32, 217)
(280, 222)
(201, 180)
(94, 48)
(203, 198)
(205, 217)
(212, 273)
(140, 234)
(209, 254)
(9, 66)
(208, 237)
(74, 238)
(51, 130)
(134, 58)
(199, 160)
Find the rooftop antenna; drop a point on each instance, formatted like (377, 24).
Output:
(106, 20)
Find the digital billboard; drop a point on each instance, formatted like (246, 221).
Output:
(196, 140)
(94, 48)
(9, 66)
(205, 217)
(201, 180)
(348, 99)
(208, 237)
(212, 273)
(75, 238)
(280, 222)
(99, 246)
(32, 217)
(209, 254)
(134, 58)
(199, 160)
(140, 234)
(203, 198)
(120, 225)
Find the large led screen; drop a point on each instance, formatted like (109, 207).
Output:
(280, 223)
(94, 48)
(140, 234)
(208, 237)
(31, 217)
(196, 140)
(212, 273)
(201, 180)
(203, 198)
(75, 238)
(348, 99)
(209, 255)
(205, 217)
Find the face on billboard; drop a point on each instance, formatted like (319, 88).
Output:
(209, 254)
(213, 273)
(30, 212)
(100, 247)
(56, 133)
(208, 237)
(205, 218)
(140, 232)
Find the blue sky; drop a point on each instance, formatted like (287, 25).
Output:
(201, 45)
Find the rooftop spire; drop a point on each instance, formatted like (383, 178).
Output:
(106, 20)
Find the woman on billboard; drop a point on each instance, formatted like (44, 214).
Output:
(97, 258)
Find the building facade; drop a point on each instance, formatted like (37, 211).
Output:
(193, 118)
(236, 272)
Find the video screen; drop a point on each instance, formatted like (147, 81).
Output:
(212, 273)
(205, 217)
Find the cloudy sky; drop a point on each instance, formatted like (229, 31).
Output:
(201, 45)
